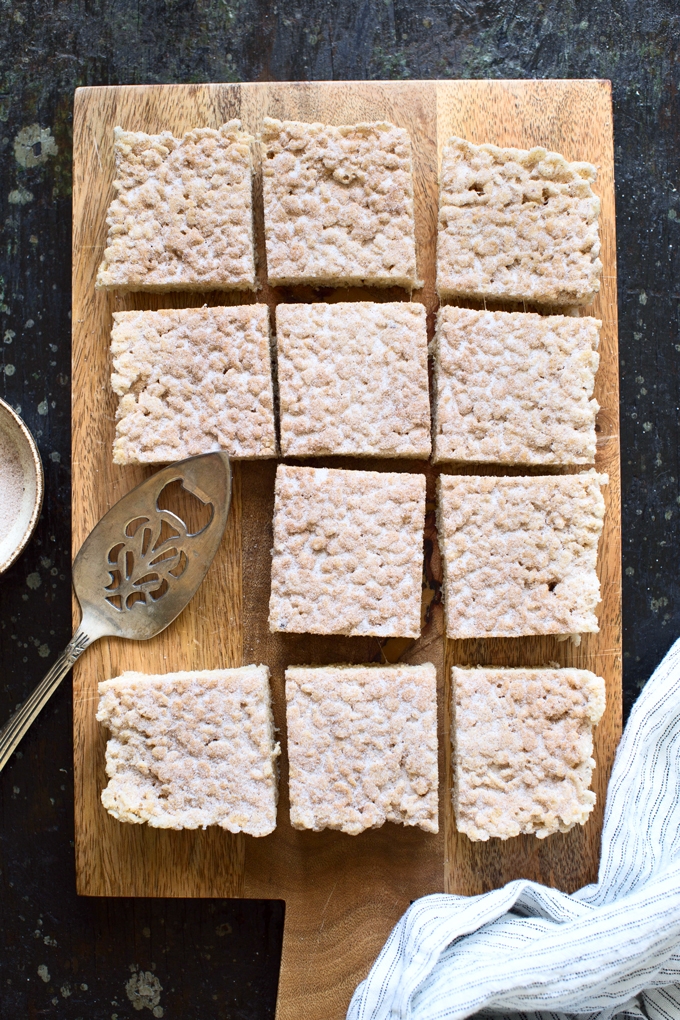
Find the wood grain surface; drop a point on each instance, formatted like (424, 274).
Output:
(342, 893)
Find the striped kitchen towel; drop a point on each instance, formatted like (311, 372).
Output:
(609, 950)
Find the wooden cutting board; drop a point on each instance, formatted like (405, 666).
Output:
(342, 893)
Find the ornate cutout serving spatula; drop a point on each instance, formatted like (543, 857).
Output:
(136, 571)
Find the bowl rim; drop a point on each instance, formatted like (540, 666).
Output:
(39, 485)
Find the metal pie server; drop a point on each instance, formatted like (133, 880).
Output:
(136, 571)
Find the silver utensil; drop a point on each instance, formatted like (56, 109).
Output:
(136, 571)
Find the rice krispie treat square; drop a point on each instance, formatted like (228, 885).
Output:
(353, 379)
(517, 225)
(519, 554)
(515, 388)
(522, 749)
(348, 552)
(362, 746)
(191, 749)
(182, 215)
(192, 380)
(338, 204)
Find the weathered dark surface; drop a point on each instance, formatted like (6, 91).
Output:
(219, 959)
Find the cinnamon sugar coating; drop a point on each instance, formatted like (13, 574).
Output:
(338, 204)
(523, 749)
(517, 224)
(192, 380)
(182, 215)
(515, 388)
(520, 554)
(348, 552)
(362, 746)
(353, 379)
(191, 749)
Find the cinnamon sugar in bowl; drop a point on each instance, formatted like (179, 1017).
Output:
(21, 485)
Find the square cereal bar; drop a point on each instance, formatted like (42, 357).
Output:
(517, 225)
(362, 746)
(192, 380)
(182, 215)
(522, 749)
(348, 552)
(519, 554)
(338, 204)
(353, 379)
(515, 388)
(191, 749)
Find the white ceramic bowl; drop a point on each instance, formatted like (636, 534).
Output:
(14, 430)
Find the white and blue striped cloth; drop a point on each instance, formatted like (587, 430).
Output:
(609, 950)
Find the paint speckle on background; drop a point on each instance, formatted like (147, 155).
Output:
(20, 196)
(144, 991)
(34, 145)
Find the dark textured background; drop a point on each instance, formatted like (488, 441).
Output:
(69, 958)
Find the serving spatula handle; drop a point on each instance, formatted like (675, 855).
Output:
(13, 731)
